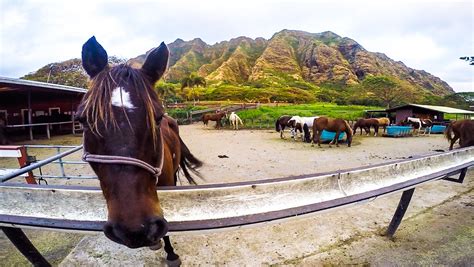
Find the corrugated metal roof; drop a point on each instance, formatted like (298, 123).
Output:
(436, 108)
(5, 81)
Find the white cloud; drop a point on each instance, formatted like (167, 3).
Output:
(429, 35)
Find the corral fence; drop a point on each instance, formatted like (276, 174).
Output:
(213, 207)
(196, 115)
(75, 127)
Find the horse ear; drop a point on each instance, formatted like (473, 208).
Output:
(94, 57)
(156, 62)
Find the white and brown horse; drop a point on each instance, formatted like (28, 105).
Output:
(419, 124)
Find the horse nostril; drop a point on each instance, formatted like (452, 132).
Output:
(158, 227)
(109, 231)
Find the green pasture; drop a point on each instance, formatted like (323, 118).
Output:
(269, 113)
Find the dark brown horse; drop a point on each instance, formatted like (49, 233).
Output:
(131, 145)
(366, 124)
(281, 123)
(462, 130)
(331, 125)
(217, 117)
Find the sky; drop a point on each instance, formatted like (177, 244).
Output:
(428, 35)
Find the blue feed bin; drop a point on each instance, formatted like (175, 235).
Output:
(398, 130)
(329, 136)
(438, 129)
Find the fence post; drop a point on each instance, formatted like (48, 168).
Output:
(47, 131)
(23, 161)
(61, 165)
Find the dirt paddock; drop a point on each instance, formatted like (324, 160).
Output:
(438, 227)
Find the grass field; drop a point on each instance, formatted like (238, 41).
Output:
(348, 112)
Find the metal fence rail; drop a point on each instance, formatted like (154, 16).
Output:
(213, 207)
(56, 159)
(208, 207)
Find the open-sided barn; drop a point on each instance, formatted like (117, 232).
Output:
(434, 113)
(37, 107)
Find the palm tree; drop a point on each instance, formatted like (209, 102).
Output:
(191, 81)
(165, 90)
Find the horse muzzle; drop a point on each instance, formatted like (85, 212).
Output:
(148, 234)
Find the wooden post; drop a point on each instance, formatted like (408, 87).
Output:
(30, 114)
(30, 179)
(47, 131)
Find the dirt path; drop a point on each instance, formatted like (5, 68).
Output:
(343, 236)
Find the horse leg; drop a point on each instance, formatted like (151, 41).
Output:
(455, 138)
(337, 138)
(171, 258)
(376, 130)
(319, 138)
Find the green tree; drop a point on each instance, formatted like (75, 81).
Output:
(389, 90)
(166, 91)
(190, 82)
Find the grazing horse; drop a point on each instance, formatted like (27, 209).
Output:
(217, 117)
(384, 122)
(366, 124)
(281, 123)
(332, 125)
(3, 134)
(463, 130)
(296, 124)
(132, 146)
(307, 123)
(235, 120)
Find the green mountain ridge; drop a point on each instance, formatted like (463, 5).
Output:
(318, 58)
(288, 57)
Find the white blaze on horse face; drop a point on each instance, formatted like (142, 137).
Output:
(121, 98)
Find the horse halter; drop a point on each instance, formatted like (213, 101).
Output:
(110, 159)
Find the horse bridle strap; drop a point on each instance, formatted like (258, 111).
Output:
(110, 159)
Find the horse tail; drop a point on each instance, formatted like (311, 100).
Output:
(189, 161)
(277, 125)
(348, 132)
(449, 131)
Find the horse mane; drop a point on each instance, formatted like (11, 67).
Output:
(97, 103)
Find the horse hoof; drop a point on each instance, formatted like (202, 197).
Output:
(174, 263)
(157, 246)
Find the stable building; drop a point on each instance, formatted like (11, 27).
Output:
(31, 107)
(434, 113)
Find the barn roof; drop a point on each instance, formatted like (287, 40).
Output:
(12, 84)
(434, 108)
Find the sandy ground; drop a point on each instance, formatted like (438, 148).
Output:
(438, 227)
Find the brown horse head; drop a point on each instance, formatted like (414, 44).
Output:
(121, 115)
